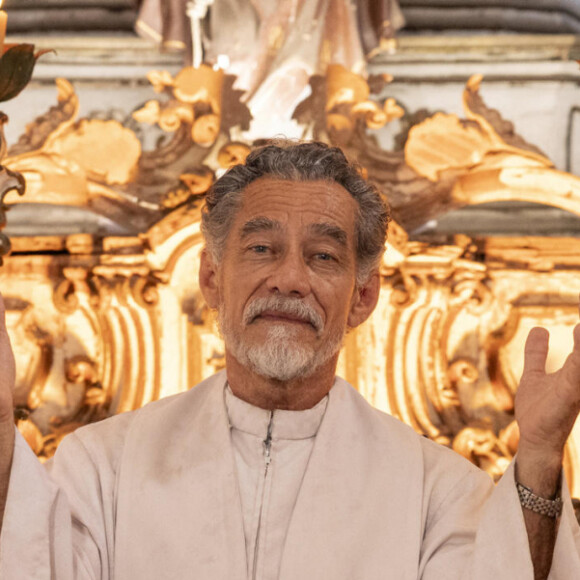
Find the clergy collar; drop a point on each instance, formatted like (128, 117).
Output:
(286, 424)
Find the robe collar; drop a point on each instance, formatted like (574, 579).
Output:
(285, 424)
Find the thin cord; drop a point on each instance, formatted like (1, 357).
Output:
(197, 10)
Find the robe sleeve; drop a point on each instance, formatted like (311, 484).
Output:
(501, 550)
(477, 532)
(59, 520)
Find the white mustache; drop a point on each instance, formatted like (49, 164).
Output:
(292, 306)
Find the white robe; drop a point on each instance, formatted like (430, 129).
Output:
(271, 451)
(153, 494)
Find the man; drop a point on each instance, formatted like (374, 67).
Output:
(275, 468)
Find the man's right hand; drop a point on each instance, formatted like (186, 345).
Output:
(7, 378)
(7, 371)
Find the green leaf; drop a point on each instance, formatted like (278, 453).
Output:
(16, 66)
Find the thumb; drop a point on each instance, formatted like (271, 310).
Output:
(577, 338)
(536, 350)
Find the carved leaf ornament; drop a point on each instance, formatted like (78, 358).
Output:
(196, 101)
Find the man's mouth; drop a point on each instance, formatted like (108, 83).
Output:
(282, 311)
(275, 316)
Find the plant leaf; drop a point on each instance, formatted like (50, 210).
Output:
(16, 66)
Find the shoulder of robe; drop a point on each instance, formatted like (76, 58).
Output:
(107, 437)
(443, 467)
(446, 471)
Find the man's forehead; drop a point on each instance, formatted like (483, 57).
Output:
(260, 224)
(313, 202)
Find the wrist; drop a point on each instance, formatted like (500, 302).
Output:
(539, 470)
(6, 438)
(541, 453)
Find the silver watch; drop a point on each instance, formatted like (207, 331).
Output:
(551, 508)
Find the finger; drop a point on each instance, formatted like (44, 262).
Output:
(577, 338)
(3, 330)
(4, 337)
(536, 350)
(574, 357)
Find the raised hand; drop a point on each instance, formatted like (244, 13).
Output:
(7, 376)
(546, 408)
(7, 370)
(547, 405)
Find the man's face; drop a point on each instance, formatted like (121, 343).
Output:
(285, 287)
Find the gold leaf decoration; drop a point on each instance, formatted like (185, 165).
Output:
(106, 150)
(206, 129)
(199, 181)
(160, 79)
(195, 182)
(149, 113)
(374, 116)
(442, 142)
(31, 434)
(392, 110)
(203, 84)
(337, 122)
(344, 86)
(171, 117)
(233, 154)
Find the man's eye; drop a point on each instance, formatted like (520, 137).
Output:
(259, 249)
(324, 256)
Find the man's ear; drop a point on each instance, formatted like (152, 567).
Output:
(208, 279)
(364, 300)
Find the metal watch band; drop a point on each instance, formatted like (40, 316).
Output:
(551, 508)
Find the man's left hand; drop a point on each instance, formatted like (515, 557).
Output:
(546, 408)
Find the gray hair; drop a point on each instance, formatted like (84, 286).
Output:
(293, 161)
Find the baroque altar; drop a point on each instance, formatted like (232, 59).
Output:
(105, 322)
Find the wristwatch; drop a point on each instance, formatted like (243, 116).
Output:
(551, 508)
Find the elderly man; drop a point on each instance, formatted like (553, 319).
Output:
(275, 468)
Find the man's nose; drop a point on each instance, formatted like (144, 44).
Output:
(290, 276)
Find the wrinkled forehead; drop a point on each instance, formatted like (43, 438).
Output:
(317, 206)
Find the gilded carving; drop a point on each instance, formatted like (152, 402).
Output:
(455, 328)
(194, 183)
(100, 163)
(195, 102)
(232, 154)
(339, 106)
(9, 181)
(102, 326)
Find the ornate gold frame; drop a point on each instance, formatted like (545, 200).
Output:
(102, 325)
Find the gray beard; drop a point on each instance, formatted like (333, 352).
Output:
(281, 356)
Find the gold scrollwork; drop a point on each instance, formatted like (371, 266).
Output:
(118, 322)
